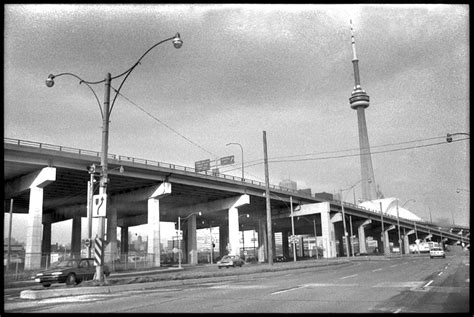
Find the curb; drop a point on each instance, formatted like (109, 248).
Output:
(74, 291)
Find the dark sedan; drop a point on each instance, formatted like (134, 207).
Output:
(71, 272)
(230, 260)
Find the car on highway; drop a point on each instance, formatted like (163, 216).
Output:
(437, 252)
(69, 271)
(230, 260)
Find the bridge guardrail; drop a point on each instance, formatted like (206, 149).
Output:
(134, 160)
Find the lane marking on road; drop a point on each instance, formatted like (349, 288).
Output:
(394, 265)
(407, 284)
(397, 311)
(286, 290)
(440, 273)
(353, 275)
(427, 284)
(376, 270)
(329, 285)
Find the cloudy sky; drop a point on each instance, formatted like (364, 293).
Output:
(244, 69)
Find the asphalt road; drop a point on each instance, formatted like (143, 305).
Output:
(407, 284)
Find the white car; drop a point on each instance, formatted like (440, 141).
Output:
(437, 252)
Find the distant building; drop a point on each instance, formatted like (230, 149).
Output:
(288, 183)
(324, 196)
(306, 191)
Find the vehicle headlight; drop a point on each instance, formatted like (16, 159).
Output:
(56, 273)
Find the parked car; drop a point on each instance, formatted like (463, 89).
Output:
(230, 260)
(280, 258)
(70, 271)
(437, 252)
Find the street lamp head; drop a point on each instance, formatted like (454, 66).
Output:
(50, 81)
(449, 138)
(177, 42)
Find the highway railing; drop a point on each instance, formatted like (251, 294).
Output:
(146, 162)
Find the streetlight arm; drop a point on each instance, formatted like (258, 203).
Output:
(177, 43)
(449, 136)
(50, 83)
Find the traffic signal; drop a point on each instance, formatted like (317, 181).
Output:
(94, 169)
(91, 169)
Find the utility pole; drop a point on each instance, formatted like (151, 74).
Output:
(267, 194)
(383, 229)
(292, 229)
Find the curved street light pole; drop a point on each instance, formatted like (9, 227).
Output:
(242, 150)
(105, 112)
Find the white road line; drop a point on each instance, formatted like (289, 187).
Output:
(440, 273)
(286, 290)
(393, 265)
(348, 276)
(376, 270)
(397, 311)
(427, 284)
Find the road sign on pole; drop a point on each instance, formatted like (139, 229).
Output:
(99, 205)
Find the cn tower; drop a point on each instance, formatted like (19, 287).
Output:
(359, 100)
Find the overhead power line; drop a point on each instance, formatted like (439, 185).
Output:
(163, 123)
(276, 160)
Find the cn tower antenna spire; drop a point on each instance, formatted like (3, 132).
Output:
(359, 101)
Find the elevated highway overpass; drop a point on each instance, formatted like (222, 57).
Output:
(49, 182)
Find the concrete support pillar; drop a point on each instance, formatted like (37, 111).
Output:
(361, 231)
(192, 241)
(154, 250)
(35, 182)
(153, 221)
(124, 240)
(223, 240)
(285, 244)
(34, 229)
(234, 236)
(328, 234)
(273, 244)
(110, 253)
(406, 241)
(76, 237)
(380, 244)
(386, 242)
(46, 243)
(300, 247)
(262, 240)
